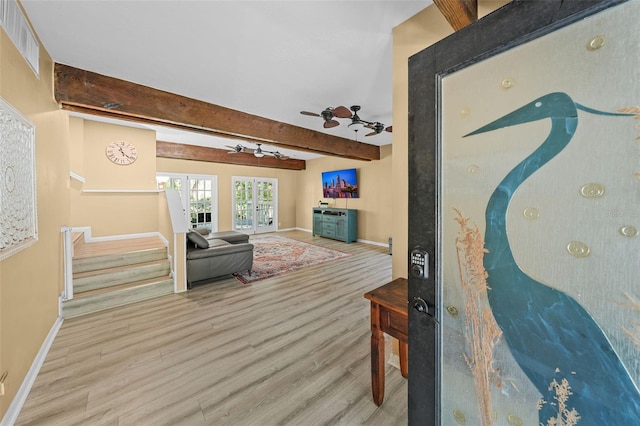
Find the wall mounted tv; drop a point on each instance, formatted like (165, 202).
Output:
(340, 184)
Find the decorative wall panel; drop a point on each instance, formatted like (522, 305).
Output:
(18, 211)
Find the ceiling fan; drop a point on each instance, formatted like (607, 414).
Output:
(257, 152)
(329, 113)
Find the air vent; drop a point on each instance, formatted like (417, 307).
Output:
(17, 28)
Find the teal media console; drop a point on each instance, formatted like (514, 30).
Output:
(339, 224)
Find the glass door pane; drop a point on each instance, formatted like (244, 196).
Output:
(266, 205)
(243, 205)
(200, 199)
(254, 204)
(539, 231)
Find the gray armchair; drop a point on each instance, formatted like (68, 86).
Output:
(209, 258)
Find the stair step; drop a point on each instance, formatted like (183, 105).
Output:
(112, 260)
(124, 294)
(109, 277)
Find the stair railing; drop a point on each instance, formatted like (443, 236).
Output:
(67, 238)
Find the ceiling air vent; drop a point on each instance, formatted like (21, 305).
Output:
(18, 30)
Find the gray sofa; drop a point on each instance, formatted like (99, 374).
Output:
(213, 255)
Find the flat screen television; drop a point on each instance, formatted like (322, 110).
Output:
(340, 184)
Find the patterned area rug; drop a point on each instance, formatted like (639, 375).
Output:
(273, 255)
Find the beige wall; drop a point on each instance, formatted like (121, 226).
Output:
(31, 280)
(113, 213)
(410, 37)
(415, 34)
(374, 205)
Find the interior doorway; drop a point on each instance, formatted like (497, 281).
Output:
(255, 204)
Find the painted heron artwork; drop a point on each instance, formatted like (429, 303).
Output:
(550, 335)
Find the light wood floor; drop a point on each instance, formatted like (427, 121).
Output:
(290, 350)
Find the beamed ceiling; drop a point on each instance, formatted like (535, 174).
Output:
(87, 92)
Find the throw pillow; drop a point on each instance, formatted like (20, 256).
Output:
(197, 239)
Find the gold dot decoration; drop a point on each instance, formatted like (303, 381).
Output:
(464, 112)
(452, 310)
(459, 417)
(514, 420)
(473, 169)
(592, 190)
(596, 43)
(578, 249)
(628, 231)
(531, 213)
(508, 83)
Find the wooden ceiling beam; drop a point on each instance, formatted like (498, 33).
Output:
(458, 13)
(214, 155)
(92, 93)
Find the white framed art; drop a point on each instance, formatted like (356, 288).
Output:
(18, 208)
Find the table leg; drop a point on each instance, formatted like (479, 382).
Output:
(377, 356)
(404, 361)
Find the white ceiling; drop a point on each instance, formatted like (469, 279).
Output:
(268, 58)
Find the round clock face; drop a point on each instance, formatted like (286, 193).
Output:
(121, 152)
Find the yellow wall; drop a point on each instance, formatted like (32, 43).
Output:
(31, 280)
(113, 213)
(374, 205)
(415, 34)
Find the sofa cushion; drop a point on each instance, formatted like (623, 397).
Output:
(233, 237)
(197, 239)
(214, 242)
(201, 231)
(227, 249)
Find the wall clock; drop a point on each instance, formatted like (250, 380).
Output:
(121, 152)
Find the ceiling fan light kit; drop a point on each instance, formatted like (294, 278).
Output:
(330, 113)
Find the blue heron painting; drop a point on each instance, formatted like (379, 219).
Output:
(550, 335)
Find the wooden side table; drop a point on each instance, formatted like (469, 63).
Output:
(388, 315)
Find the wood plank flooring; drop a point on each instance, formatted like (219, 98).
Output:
(289, 350)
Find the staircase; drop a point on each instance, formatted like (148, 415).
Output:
(114, 273)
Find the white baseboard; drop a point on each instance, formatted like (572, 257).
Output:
(86, 230)
(15, 407)
(286, 229)
(375, 243)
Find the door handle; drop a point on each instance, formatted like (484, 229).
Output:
(420, 305)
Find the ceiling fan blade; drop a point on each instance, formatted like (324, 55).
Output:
(280, 156)
(342, 112)
(330, 124)
(389, 129)
(235, 149)
(312, 114)
(372, 133)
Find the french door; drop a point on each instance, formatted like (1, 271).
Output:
(199, 195)
(255, 204)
